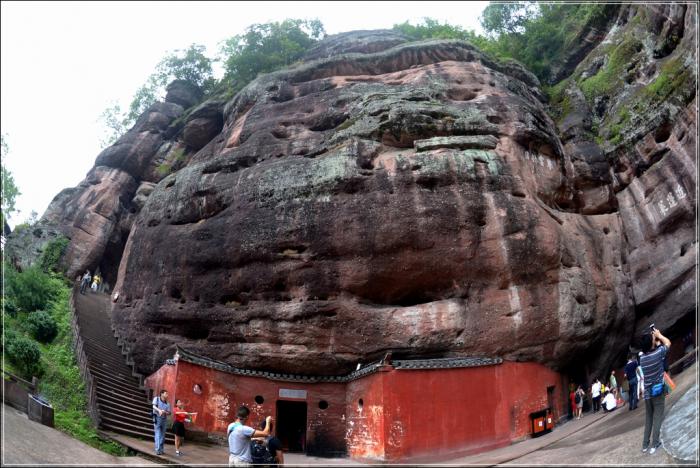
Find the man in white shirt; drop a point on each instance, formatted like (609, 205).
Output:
(609, 403)
(595, 394)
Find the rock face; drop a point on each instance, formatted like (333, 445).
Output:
(412, 197)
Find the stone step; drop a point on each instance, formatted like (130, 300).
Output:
(117, 410)
(122, 394)
(134, 431)
(108, 373)
(119, 374)
(102, 359)
(137, 405)
(103, 380)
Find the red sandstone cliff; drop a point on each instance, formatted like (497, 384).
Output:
(413, 197)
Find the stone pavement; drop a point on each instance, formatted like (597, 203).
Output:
(27, 442)
(617, 438)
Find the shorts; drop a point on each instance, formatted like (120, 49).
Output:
(179, 429)
(235, 461)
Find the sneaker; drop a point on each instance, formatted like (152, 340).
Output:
(177, 453)
(645, 449)
(652, 451)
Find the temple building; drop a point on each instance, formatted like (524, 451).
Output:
(391, 410)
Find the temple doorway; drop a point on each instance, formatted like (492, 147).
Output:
(291, 425)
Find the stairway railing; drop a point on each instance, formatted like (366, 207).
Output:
(81, 357)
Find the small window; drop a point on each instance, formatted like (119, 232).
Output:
(259, 399)
(360, 403)
(323, 404)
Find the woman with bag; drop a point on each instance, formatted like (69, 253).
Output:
(655, 347)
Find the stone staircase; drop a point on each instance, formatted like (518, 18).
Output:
(123, 404)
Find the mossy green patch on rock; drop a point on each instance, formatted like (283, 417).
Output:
(609, 78)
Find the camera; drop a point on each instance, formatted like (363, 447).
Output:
(652, 327)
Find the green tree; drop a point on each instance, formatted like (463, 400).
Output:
(10, 192)
(24, 353)
(182, 64)
(42, 326)
(432, 29)
(509, 18)
(264, 48)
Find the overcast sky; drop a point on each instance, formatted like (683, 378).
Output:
(63, 63)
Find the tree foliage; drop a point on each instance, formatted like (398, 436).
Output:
(30, 289)
(24, 353)
(10, 192)
(42, 326)
(537, 34)
(264, 48)
(433, 29)
(509, 18)
(189, 64)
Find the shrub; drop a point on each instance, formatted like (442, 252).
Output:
(42, 326)
(31, 289)
(52, 254)
(9, 307)
(24, 353)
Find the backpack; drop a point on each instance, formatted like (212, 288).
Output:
(578, 398)
(260, 454)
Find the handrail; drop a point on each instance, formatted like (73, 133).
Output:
(30, 386)
(81, 357)
(126, 352)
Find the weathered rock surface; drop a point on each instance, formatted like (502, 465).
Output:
(412, 197)
(403, 200)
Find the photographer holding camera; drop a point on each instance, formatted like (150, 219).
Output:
(654, 347)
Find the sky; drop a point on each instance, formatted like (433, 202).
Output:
(64, 63)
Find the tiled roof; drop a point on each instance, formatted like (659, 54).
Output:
(445, 363)
(406, 364)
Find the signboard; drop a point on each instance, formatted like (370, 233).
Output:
(289, 393)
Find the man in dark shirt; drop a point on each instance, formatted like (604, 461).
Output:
(274, 446)
(655, 347)
(631, 374)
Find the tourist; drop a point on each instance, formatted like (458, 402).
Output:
(580, 394)
(96, 280)
(655, 347)
(161, 410)
(85, 282)
(632, 377)
(181, 416)
(595, 394)
(572, 400)
(613, 385)
(609, 402)
(267, 450)
(239, 438)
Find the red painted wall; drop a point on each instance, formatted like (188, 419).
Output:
(405, 414)
(222, 394)
(416, 413)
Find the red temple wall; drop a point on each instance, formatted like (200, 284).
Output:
(414, 413)
(405, 414)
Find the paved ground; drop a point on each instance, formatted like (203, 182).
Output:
(616, 438)
(26, 442)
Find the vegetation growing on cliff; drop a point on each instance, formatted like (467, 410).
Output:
(10, 192)
(189, 64)
(262, 48)
(37, 341)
